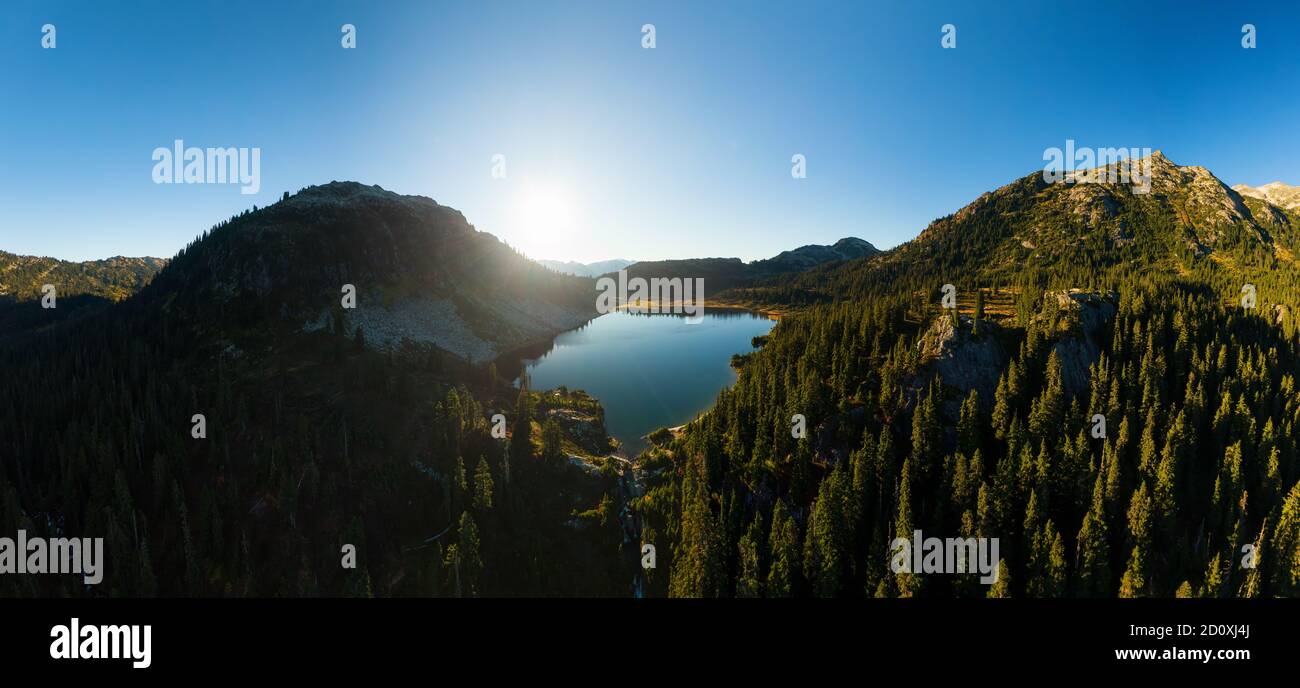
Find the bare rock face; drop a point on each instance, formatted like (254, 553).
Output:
(963, 357)
(1089, 310)
(426, 320)
(1091, 204)
(1079, 320)
(968, 359)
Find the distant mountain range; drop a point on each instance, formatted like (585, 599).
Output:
(726, 269)
(21, 277)
(587, 269)
(423, 273)
(1277, 193)
(80, 288)
(727, 273)
(804, 257)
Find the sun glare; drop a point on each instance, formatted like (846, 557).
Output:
(545, 215)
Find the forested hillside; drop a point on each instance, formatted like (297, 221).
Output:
(79, 287)
(1103, 381)
(1074, 304)
(312, 438)
(21, 277)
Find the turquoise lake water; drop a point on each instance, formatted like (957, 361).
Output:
(649, 371)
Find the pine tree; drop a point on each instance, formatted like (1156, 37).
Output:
(909, 582)
(1285, 547)
(1001, 587)
(749, 580)
(1056, 571)
(969, 425)
(482, 486)
(468, 560)
(1049, 409)
(1215, 581)
(1092, 548)
(697, 566)
(552, 443)
(782, 578)
(521, 443)
(826, 543)
(1136, 581)
(460, 492)
(1003, 405)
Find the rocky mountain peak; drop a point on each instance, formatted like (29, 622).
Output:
(1276, 193)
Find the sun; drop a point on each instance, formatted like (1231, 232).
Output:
(545, 214)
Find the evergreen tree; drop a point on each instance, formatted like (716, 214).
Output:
(749, 580)
(782, 579)
(1136, 580)
(482, 486)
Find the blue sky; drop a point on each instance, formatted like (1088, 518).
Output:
(613, 150)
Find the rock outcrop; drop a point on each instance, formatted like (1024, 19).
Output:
(585, 429)
(1079, 318)
(962, 356)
